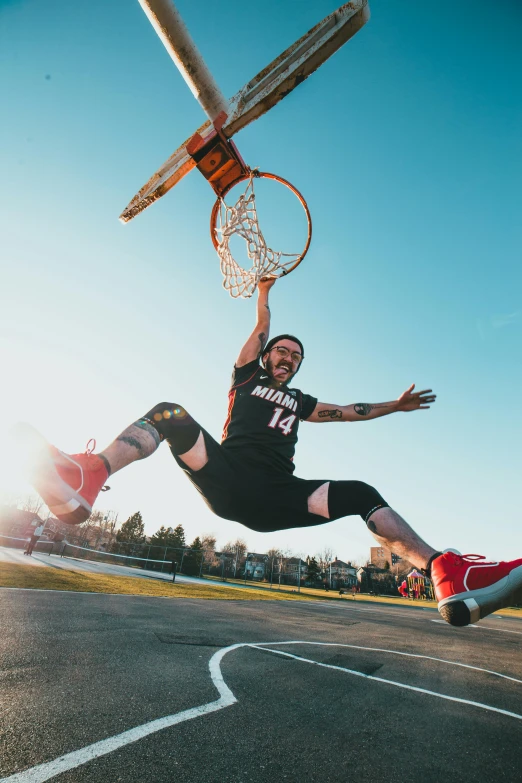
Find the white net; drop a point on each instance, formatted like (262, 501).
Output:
(241, 220)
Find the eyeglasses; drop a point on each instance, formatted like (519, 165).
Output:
(284, 352)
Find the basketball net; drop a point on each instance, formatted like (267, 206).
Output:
(241, 220)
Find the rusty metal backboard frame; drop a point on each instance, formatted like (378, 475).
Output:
(263, 92)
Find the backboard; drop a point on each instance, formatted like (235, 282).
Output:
(210, 148)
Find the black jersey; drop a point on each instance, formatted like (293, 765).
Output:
(262, 422)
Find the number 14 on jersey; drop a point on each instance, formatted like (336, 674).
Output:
(283, 424)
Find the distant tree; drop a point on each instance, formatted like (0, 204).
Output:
(239, 547)
(208, 544)
(324, 558)
(314, 571)
(161, 536)
(32, 503)
(171, 539)
(133, 530)
(193, 558)
(235, 563)
(178, 539)
(90, 531)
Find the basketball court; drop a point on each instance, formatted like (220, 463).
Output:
(101, 687)
(129, 688)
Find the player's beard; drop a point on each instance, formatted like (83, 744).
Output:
(269, 367)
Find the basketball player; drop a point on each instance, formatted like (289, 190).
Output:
(248, 477)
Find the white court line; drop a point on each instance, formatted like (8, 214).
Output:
(50, 769)
(389, 610)
(77, 758)
(389, 682)
(481, 627)
(385, 610)
(443, 622)
(397, 652)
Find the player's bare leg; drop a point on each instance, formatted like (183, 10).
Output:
(467, 587)
(392, 531)
(70, 483)
(138, 441)
(386, 526)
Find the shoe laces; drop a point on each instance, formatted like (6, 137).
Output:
(457, 559)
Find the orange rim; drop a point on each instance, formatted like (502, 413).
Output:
(264, 175)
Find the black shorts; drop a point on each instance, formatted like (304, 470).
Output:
(240, 491)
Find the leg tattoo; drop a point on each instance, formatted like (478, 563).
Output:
(138, 441)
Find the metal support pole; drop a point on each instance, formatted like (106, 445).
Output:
(174, 569)
(168, 24)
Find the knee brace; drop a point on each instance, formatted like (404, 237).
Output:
(175, 425)
(346, 498)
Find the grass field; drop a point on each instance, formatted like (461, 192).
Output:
(28, 577)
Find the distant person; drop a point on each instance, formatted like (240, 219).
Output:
(248, 476)
(35, 537)
(403, 589)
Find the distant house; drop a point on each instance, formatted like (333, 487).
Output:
(295, 566)
(255, 565)
(342, 574)
(16, 523)
(382, 581)
(368, 570)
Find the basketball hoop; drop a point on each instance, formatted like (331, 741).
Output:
(241, 220)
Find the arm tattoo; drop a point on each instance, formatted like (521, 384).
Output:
(364, 408)
(267, 307)
(333, 414)
(262, 339)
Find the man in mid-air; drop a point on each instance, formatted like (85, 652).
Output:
(248, 477)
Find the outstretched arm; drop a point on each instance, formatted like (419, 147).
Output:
(253, 348)
(363, 411)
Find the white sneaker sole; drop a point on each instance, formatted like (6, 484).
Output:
(63, 501)
(473, 605)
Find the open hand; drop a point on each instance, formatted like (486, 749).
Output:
(414, 401)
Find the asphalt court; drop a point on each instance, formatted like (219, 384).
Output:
(130, 688)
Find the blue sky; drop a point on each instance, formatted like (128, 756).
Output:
(407, 146)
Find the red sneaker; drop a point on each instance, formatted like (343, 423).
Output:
(67, 483)
(468, 588)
